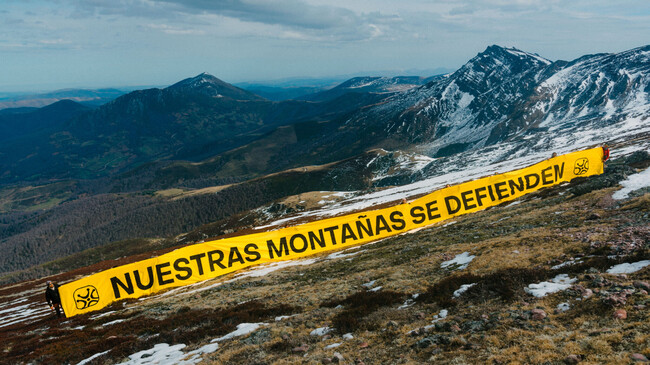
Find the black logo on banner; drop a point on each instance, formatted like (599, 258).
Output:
(581, 166)
(85, 297)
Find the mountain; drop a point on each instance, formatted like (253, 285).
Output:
(461, 108)
(311, 88)
(83, 96)
(605, 87)
(210, 86)
(203, 131)
(367, 84)
(276, 93)
(499, 95)
(193, 119)
(19, 110)
(18, 122)
(503, 101)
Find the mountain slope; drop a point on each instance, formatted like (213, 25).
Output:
(459, 290)
(81, 222)
(502, 94)
(191, 120)
(367, 84)
(499, 103)
(16, 123)
(487, 114)
(605, 86)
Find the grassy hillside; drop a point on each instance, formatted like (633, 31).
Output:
(383, 302)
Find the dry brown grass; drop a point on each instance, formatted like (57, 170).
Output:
(403, 266)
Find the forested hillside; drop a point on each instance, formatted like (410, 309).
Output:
(91, 221)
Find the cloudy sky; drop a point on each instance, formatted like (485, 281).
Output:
(51, 44)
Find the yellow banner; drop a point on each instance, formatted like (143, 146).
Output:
(207, 260)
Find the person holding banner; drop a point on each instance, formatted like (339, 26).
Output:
(195, 263)
(53, 298)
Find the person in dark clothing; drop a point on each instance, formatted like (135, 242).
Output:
(605, 153)
(53, 298)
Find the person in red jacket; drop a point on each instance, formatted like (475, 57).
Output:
(605, 152)
(53, 298)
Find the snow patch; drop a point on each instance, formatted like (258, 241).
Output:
(113, 322)
(632, 183)
(265, 270)
(279, 318)
(567, 263)
(516, 202)
(101, 315)
(322, 331)
(341, 254)
(459, 262)
(463, 288)
(558, 283)
(22, 313)
(369, 284)
(85, 361)
(407, 303)
(628, 268)
(242, 329)
(440, 316)
(161, 353)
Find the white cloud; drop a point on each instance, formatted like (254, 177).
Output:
(245, 39)
(175, 30)
(54, 41)
(294, 19)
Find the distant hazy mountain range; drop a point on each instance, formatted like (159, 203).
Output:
(86, 97)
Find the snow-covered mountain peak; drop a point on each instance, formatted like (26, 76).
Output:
(496, 64)
(200, 80)
(505, 94)
(209, 85)
(507, 55)
(601, 86)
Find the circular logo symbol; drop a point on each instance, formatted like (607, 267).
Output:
(581, 166)
(86, 296)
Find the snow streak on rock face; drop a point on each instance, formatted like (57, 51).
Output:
(464, 107)
(382, 84)
(606, 87)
